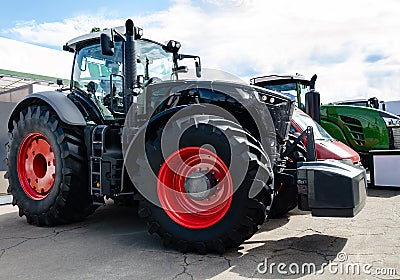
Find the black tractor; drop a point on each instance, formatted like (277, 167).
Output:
(202, 160)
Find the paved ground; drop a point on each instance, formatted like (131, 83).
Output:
(113, 244)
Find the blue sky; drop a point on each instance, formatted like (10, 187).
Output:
(353, 46)
(17, 11)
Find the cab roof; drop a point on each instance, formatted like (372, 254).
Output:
(278, 78)
(83, 40)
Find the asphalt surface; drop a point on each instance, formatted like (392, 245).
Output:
(113, 243)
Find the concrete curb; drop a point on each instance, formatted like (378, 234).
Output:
(5, 199)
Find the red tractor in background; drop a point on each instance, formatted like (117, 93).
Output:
(325, 145)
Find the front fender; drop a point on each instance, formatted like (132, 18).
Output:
(138, 139)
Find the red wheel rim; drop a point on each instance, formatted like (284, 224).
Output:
(36, 166)
(178, 204)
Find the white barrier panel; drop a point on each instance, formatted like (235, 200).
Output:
(386, 168)
(5, 199)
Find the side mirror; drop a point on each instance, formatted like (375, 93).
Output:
(198, 68)
(197, 63)
(107, 45)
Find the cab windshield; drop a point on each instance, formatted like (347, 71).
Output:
(92, 66)
(288, 88)
(295, 89)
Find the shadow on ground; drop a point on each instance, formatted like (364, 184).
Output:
(296, 256)
(383, 192)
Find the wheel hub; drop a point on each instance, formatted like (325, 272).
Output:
(197, 186)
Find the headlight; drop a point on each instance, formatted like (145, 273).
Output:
(390, 122)
(347, 160)
(390, 119)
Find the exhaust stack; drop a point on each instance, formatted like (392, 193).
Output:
(312, 100)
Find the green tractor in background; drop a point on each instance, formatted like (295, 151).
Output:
(367, 130)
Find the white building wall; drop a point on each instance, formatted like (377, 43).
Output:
(33, 59)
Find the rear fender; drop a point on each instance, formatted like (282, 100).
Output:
(58, 101)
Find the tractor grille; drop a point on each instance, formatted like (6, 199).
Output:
(355, 128)
(395, 137)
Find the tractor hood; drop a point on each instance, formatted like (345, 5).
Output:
(265, 113)
(363, 128)
(336, 150)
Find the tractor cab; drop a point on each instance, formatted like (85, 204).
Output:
(293, 85)
(297, 86)
(103, 76)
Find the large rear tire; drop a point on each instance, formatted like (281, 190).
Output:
(47, 168)
(217, 219)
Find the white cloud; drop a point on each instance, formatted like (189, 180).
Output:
(256, 37)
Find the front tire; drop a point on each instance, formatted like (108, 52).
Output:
(224, 215)
(47, 168)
